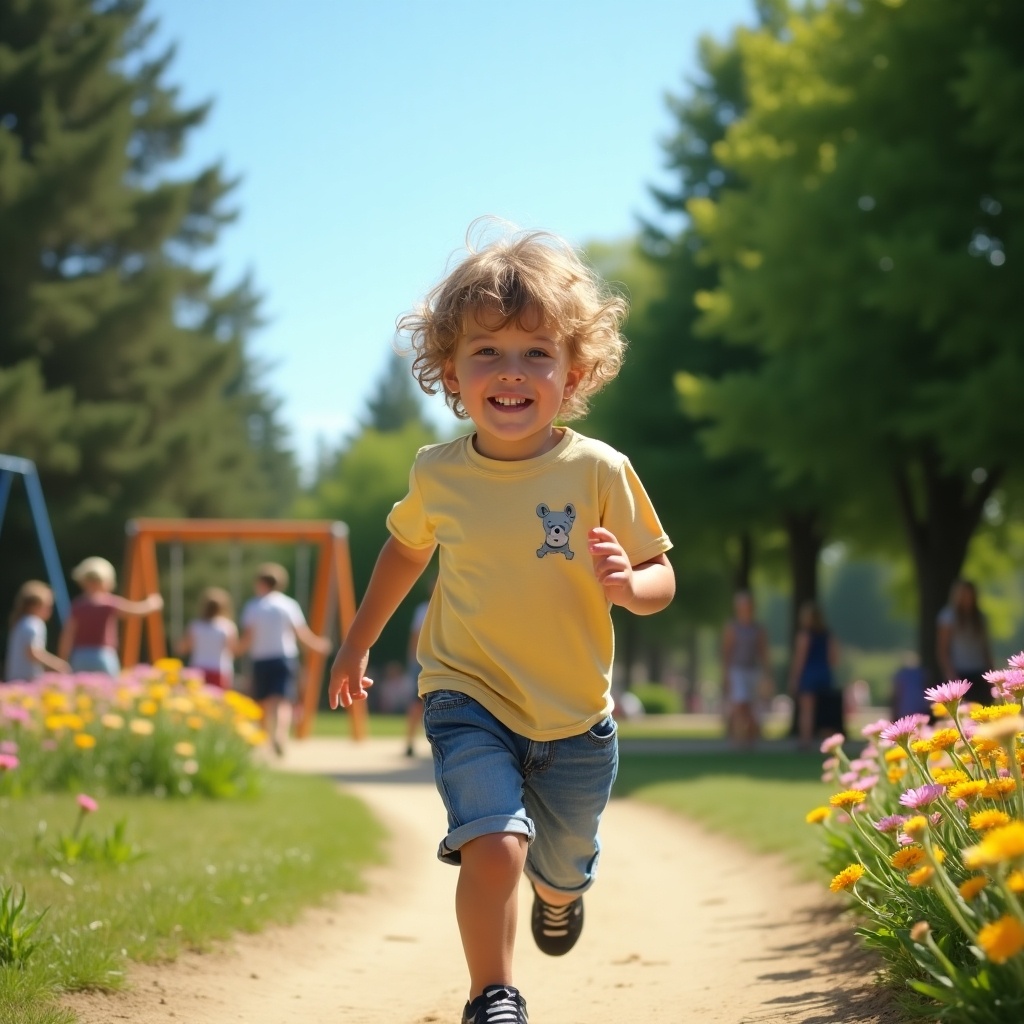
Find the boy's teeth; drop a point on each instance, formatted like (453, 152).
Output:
(511, 401)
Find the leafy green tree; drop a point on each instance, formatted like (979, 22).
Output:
(865, 263)
(397, 401)
(123, 366)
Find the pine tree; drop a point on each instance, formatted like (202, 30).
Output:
(123, 366)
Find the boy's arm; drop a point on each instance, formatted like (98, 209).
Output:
(398, 568)
(41, 656)
(146, 606)
(67, 639)
(642, 589)
(311, 641)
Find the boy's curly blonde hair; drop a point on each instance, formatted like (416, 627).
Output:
(526, 278)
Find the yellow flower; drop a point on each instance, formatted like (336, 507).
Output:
(84, 741)
(54, 723)
(148, 707)
(940, 710)
(169, 665)
(921, 746)
(895, 774)
(999, 789)
(847, 878)
(973, 885)
(194, 722)
(112, 721)
(918, 823)
(83, 702)
(183, 705)
(982, 820)
(895, 754)
(983, 747)
(818, 815)
(907, 857)
(921, 876)
(950, 776)
(848, 798)
(1015, 881)
(966, 790)
(943, 739)
(141, 726)
(184, 749)
(1005, 842)
(994, 711)
(1002, 939)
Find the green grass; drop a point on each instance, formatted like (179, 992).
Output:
(337, 724)
(759, 798)
(209, 868)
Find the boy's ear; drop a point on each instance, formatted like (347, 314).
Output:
(450, 381)
(572, 381)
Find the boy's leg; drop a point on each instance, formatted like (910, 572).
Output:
(486, 905)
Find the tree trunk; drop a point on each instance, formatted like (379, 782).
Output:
(940, 513)
(805, 541)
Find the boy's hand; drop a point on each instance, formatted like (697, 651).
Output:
(348, 678)
(611, 566)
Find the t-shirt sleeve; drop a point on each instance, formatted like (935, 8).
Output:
(628, 512)
(247, 614)
(36, 635)
(408, 521)
(295, 612)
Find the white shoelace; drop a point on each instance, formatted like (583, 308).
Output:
(502, 1011)
(556, 919)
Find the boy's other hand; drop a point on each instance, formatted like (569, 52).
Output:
(611, 566)
(349, 682)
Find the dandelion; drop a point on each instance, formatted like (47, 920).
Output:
(999, 789)
(908, 857)
(948, 693)
(967, 790)
(894, 775)
(991, 712)
(922, 876)
(141, 726)
(922, 796)
(832, 743)
(982, 820)
(950, 776)
(1002, 939)
(1005, 842)
(970, 888)
(847, 878)
(848, 798)
(943, 739)
(148, 707)
(184, 749)
(112, 721)
(918, 823)
(84, 741)
(895, 755)
(903, 728)
(1015, 881)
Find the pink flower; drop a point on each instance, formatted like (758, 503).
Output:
(867, 782)
(948, 693)
(922, 796)
(890, 823)
(829, 763)
(8, 762)
(849, 778)
(905, 727)
(1017, 661)
(14, 713)
(869, 752)
(904, 840)
(874, 728)
(830, 744)
(89, 805)
(860, 764)
(8, 747)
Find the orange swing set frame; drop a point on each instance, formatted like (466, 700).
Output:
(333, 580)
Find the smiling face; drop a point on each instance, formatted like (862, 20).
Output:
(512, 380)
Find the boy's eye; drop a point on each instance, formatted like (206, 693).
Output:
(538, 352)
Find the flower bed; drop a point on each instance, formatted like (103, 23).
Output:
(157, 729)
(927, 836)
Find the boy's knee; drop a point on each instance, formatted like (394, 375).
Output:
(499, 854)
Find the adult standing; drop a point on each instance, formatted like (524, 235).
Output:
(962, 641)
(811, 676)
(745, 663)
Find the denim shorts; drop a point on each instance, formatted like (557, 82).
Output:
(273, 677)
(492, 780)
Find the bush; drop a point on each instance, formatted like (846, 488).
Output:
(658, 699)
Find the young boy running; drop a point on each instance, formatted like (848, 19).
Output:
(540, 530)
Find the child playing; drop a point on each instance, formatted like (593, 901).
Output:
(209, 641)
(273, 626)
(89, 638)
(540, 530)
(27, 656)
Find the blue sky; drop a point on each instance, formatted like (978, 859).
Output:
(368, 135)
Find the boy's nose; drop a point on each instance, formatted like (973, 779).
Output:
(511, 371)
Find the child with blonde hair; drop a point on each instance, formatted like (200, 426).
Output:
(89, 638)
(210, 640)
(540, 530)
(27, 656)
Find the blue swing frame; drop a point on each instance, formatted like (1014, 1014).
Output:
(12, 466)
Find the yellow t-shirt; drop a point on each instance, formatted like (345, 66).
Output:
(518, 620)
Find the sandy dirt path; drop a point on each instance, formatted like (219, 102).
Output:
(682, 926)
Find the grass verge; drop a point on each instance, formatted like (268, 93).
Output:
(759, 798)
(209, 868)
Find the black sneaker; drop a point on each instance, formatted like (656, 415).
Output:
(499, 1004)
(556, 929)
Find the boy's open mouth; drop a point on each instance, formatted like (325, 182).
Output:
(504, 402)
